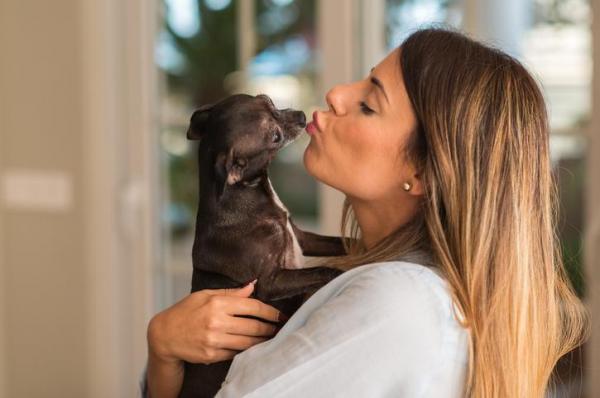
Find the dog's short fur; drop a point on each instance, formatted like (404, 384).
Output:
(243, 231)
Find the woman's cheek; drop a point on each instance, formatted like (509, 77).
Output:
(372, 176)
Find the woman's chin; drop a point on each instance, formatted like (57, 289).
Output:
(306, 155)
(309, 160)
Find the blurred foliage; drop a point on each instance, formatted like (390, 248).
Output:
(561, 12)
(209, 56)
(572, 258)
(571, 178)
(395, 8)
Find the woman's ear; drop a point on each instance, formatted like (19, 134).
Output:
(416, 186)
(413, 178)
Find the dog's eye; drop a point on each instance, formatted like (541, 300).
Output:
(276, 136)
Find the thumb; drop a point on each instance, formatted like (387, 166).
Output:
(243, 291)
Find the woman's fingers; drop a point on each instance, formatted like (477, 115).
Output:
(220, 354)
(208, 355)
(236, 303)
(204, 326)
(232, 305)
(247, 306)
(244, 291)
(237, 342)
(229, 301)
(248, 327)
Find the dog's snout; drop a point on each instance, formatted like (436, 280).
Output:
(300, 118)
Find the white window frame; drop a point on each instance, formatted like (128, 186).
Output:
(121, 168)
(349, 47)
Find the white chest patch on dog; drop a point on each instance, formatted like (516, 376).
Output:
(294, 258)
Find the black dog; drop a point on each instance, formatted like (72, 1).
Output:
(243, 231)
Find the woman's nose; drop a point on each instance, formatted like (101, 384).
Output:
(335, 99)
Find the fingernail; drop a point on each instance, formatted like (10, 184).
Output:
(251, 282)
(282, 317)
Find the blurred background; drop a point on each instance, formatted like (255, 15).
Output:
(99, 183)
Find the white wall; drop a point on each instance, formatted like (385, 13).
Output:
(43, 291)
(77, 102)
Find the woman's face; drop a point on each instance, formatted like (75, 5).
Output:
(357, 149)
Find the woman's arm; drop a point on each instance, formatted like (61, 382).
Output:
(203, 328)
(164, 377)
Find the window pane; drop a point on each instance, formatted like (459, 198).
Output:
(557, 48)
(403, 16)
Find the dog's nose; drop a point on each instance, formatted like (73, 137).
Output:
(301, 118)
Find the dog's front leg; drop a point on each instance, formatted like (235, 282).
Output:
(285, 283)
(318, 245)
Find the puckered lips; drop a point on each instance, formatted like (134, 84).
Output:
(313, 127)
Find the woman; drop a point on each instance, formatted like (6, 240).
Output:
(455, 285)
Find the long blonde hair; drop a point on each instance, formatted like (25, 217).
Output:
(489, 213)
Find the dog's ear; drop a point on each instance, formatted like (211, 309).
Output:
(198, 122)
(229, 169)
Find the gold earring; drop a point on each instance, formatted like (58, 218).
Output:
(406, 186)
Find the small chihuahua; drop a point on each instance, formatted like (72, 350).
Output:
(243, 231)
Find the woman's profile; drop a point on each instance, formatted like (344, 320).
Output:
(454, 283)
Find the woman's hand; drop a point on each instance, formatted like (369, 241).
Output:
(203, 328)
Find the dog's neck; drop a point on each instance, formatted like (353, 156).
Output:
(246, 198)
(243, 198)
(254, 182)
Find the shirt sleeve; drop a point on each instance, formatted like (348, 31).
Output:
(378, 337)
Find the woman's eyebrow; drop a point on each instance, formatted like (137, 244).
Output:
(378, 83)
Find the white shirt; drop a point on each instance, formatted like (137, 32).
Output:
(378, 330)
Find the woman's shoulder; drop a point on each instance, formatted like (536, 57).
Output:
(377, 291)
(405, 294)
(416, 301)
(398, 271)
(394, 280)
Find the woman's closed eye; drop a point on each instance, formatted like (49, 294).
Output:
(365, 109)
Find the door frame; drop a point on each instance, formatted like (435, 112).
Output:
(121, 187)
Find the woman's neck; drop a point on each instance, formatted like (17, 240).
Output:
(379, 218)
